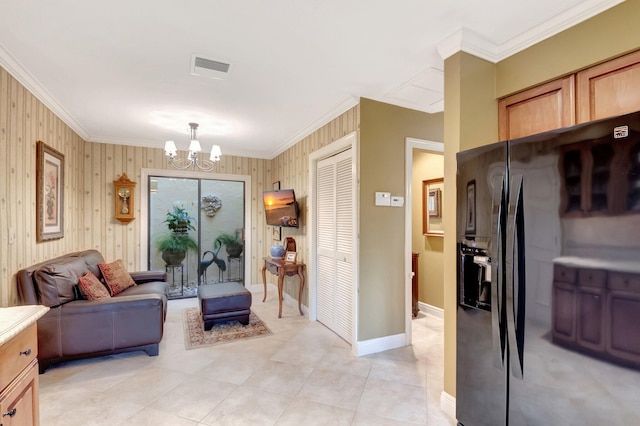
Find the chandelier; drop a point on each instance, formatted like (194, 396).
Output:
(192, 159)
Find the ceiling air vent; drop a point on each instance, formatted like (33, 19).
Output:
(209, 68)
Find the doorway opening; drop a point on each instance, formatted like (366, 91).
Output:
(424, 160)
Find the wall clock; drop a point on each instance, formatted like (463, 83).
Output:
(124, 199)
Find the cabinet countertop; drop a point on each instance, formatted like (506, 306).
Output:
(630, 267)
(15, 319)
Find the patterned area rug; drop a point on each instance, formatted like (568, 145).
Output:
(222, 332)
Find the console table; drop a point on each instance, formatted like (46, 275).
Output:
(281, 268)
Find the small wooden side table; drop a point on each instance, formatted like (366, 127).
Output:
(281, 268)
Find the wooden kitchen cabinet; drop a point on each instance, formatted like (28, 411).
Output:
(563, 304)
(19, 403)
(600, 178)
(623, 305)
(597, 311)
(601, 91)
(590, 304)
(608, 89)
(546, 107)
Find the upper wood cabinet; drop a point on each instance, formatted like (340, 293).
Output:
(608, 89)
(601, 91)
(546, 107)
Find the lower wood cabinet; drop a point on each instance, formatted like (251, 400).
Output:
(19, 403)
(597, 311)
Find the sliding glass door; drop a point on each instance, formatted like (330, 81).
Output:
(215, 209)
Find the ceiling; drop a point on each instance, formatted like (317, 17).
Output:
(120, 71)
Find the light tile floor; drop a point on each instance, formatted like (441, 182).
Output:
(303, 374)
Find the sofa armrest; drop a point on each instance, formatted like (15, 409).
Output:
(141, 277)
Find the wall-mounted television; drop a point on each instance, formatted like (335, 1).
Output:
(281, 208)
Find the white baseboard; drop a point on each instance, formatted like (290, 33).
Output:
(430, 309)
(380, 344)
(448, 404)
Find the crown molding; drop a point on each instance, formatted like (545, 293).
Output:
(24, 77)
(339, 109)
(466, 40)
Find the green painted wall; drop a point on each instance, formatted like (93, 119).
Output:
(383, 129)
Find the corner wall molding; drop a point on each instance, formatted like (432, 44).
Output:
(336, 111)
(466, 40)
(24, 77)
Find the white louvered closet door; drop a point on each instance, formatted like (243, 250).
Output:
(335, 213)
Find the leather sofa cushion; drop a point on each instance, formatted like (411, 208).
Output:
(56, 282)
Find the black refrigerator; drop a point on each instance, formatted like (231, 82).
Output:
(548, 247)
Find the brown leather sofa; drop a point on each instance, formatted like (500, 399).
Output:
(78, 328)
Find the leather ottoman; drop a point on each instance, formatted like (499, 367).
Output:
(224, 302)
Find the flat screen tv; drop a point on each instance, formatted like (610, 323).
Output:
(281, 208)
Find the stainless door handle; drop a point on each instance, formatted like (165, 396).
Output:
(512, 269)
(497, 326)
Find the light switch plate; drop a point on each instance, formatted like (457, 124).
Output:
(383, 198)
(397, 201)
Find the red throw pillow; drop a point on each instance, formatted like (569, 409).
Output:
(116, 276)
(92, 288)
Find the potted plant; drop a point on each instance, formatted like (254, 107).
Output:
(178, 220)
(174, 244)
(232, 242)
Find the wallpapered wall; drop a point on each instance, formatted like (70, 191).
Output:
(291, 168)
(90, 169)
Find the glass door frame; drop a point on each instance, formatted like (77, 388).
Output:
(184, 174)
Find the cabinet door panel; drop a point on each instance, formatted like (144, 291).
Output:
(591, 318)
(564, 312)
(546, 107)
(609, 89)
(623, 340)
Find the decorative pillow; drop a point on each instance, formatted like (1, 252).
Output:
(92, 288)
(116, 276)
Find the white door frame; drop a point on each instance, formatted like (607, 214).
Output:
(349, 141)
(144, 210)
(425, 145)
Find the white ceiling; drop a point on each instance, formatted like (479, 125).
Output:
(118, 71)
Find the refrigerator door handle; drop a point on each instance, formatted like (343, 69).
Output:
(514, 261)
(497, 284)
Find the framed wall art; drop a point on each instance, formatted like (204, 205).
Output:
(432, 191)
(49, 193)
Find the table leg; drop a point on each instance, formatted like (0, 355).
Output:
(280, 285)
(264, 281)
(300, 292)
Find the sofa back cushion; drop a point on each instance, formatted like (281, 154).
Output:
(56, 282)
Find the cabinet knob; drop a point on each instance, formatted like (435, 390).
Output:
(26, 353)
(9, 413)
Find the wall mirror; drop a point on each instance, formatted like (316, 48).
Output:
(432, 191)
